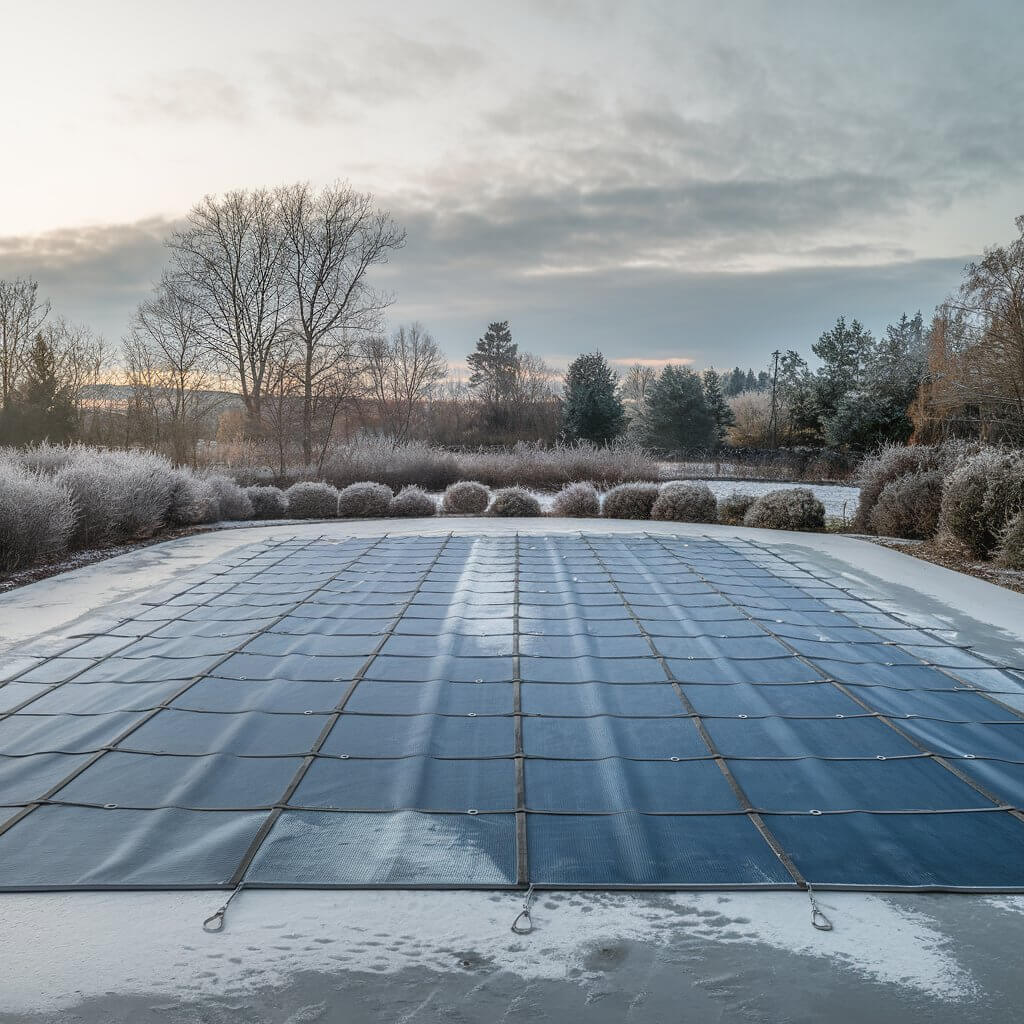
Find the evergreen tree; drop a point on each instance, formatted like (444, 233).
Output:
(843, 352)
(750, 384)
(44, 408)
(718, 407)
(495, 365)
(592, 408)
(678, 416)
(735, 382)
(764, 380)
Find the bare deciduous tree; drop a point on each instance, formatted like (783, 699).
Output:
(402, 372)
(170, 370)
(22, 315)
(332, 239)
(227, 262)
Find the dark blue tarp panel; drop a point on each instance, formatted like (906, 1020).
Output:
(981, 850)
(617, 785)
(644, 849)
(411, 783)
(494, 711)
(400, 849)
(88, 847)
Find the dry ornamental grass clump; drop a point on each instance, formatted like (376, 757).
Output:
(364, 501)
(267, 502)
(514, 501)
(630, 501)
(467, 497)
(685, 503)
(733, 507)
(412, 502)
(577, 500)
(311, 500)
(793, 508)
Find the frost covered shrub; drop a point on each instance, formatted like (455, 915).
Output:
(685, 503)
(1011, 545)
(312, 500)
(909, 506)
(364, 501)
(733, 507)
(630, 501)
(411, 502)
(580, 500)
(794, 508)
(267, 502)
(48, 458)
(514, 501)
(467, 497)
(118, 495)
(36, 517)
(887, 464)
(193, 500)
(980, 497)
(232, 501)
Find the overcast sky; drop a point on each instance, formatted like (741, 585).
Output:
(672, 180)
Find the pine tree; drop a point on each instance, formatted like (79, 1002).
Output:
(678, 417)
(751, 381)
(735, 382)
(44, 408)
(495, 365)
(718, 407)
(592, 408)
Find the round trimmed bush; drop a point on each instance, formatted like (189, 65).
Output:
(232, 502)
(980, 498)
(412, 502)
(467, 497)
(1011, 545)
(630, 501)
(311, 499)
(577, 500)
(267, 502)
(36, 517)
(909, 506)
(364, 501)
(733, 507)
(193, 500)
(514, 501)
(792, 508)
(889, 463)
(685, 503)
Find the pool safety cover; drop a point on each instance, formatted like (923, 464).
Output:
(607, 711)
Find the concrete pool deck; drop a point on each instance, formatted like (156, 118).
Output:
(362, 956)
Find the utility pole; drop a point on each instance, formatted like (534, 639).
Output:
(773, 422)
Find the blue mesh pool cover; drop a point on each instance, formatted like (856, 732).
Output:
(567, 711)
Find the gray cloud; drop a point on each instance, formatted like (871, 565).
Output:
(94, 275)
(194, 94)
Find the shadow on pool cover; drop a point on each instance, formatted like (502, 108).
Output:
(565, 711)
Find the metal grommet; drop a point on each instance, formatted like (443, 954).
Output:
(889, 664)
(840, 716)
(673, 758)
(344, 757)
(472, 810)
(109, 807)
(477, 680)
(880, 757)
(471, 714)
(970, 757)
(815, 811)
(307, 712)
(742, 716)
